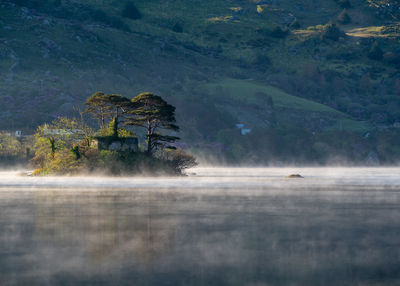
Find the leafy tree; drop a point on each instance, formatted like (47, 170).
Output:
(278, 32)
(45, 146)
(9, 146)
(344, 18)
(177, 28)
(331, 32)
(88, 132)
(120, 105)
(104, 106)
(62, 134)
(75, 152)
(151, 112)
(113, 130)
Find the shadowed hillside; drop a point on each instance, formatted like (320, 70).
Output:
(280, 67)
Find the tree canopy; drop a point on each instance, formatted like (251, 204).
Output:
(107, 106)
(98, 106)
(62, 133)
(151, 112)
(65, 146)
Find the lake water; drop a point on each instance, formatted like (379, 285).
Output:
(222, 226)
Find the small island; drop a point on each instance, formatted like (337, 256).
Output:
(70, 146)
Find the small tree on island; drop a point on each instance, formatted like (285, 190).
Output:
(62, 134)
(151, 112)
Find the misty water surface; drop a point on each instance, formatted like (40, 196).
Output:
(221, 227)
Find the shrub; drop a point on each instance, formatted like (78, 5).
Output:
(130, 11)
(295, 24)
(331, 32)
(180, 160)
(343, 17)
(177, 28)
(375, 52)
(278, 32)
(75, 152)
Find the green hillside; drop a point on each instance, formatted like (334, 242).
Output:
(254, 93)
(327, 65)
(246, 92)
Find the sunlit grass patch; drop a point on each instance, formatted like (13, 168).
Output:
(236, 9)
(246, 91)
(387, 31)
(366, 32)
(304, 32)
(220, 19)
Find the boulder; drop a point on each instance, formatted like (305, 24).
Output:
(295, 176)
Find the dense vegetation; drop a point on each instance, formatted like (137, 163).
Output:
(70, 146)
(291, 71)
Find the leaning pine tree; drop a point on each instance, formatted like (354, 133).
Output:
(153, 113)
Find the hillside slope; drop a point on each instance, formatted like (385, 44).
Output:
(320, 77)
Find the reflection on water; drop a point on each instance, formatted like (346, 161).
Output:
(244, 227)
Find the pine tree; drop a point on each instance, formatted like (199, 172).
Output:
(151, 112)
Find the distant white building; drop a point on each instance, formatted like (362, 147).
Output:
(243, 130)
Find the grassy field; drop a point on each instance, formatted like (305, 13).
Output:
(250, 92)
(246, 91)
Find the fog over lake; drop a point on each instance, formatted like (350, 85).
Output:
(222, 226)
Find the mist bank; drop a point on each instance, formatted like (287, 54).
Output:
(203, 179)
